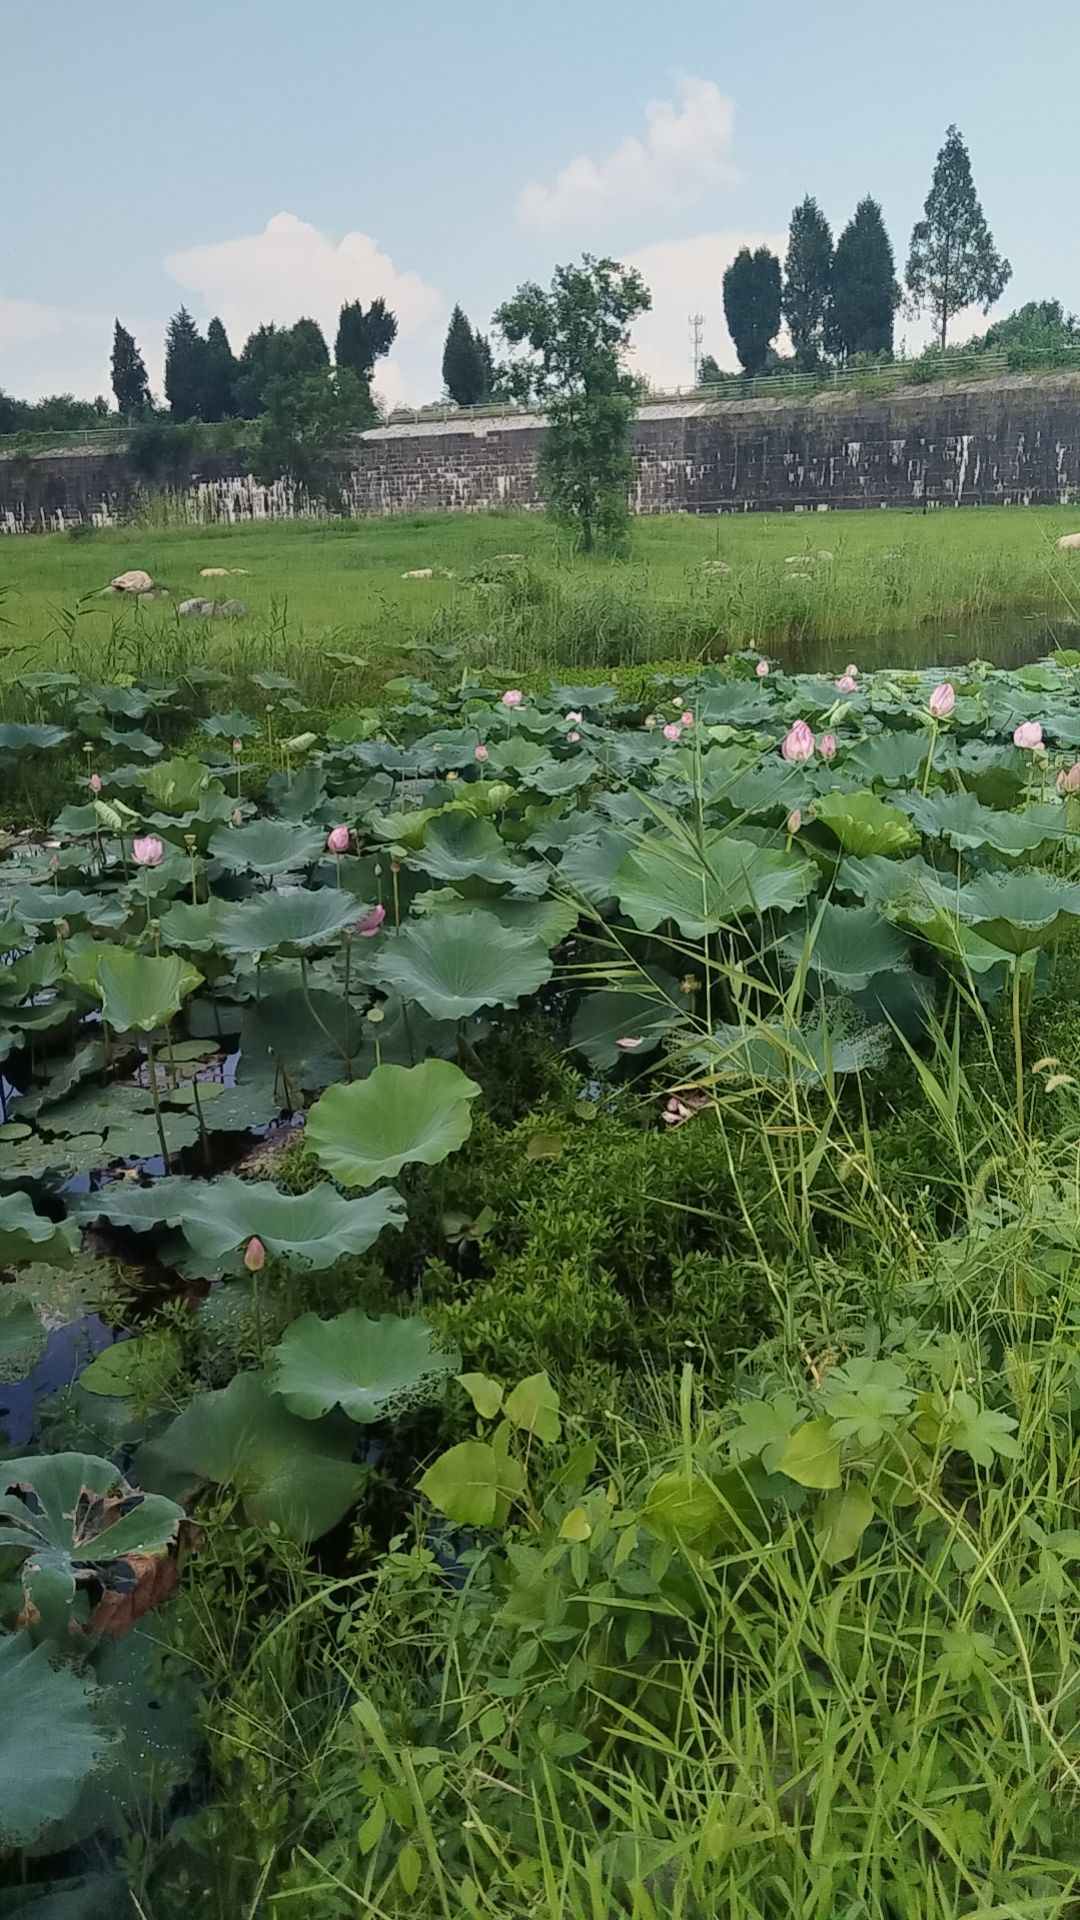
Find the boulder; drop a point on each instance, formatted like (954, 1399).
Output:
(213, 573)
(419, 573)
(231, 609)
(715, 566)
(135, 581)
(1069, 543)
(197, 609)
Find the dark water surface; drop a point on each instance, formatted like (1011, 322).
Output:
(1006, 640)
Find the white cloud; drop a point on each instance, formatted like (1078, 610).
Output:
(292, 268)
(686, 277)
(686, 148)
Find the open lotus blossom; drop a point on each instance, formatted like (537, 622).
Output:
(574, 737)
(254, 1254)
(673, 731)
(630, 1041)
(480, 753)
(677, 702)
(847, 683)
(761, 669)
(687, 718)
(371, 922)
(574, 719)
(794, 820)
(1068, 780)
(799, 743)
(95, 783)
(512, 697)
(1028, 734)
(943, 700)
(337, 840)
(827, 746)
(148, 851)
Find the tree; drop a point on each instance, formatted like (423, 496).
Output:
(308, 418)
(865, 295)
(1039, 328)
(710, 372)
(808, 280)
(277, 353)
(752, 305)
(576, 334)
(364, 337)
(185, 366)
(218, 398)
(129, 381)
(466, 363)
(953, 262)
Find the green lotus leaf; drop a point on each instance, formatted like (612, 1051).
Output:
(88, 1058)
(138, 991)
(1018, 911)
(460, 850)
(162, 1202)
(135, 1368)
(71, 1512)
(267, 847)
(18, 736)
(369, 1130)
(849, 945)
(768, 791)
(776, 1051)
(548, 921)
(42, 906)
(967, 825)
(297, 1475)
(51, 1739)
(455, 963)
(589, 864)
(26, 1235)
(22, 1336)
(864, 824)
(371, 1369)
(177, 785)
(895, 759)
(519, 754)
(557, 777)
(403, 829)
(132, 740)
(198, 928)
(312, 1230)
(642, 1013)
(879, 881)
(727, 880)
(289, 920)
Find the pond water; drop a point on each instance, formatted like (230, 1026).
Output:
(1005, 640)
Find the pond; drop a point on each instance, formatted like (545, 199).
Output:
(1005, 640)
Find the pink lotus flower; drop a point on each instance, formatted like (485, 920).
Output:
(687, 719)
(846, 684)
(254, 1255)
(1068, 780)
(337, 840)
(827, 746)
(573, 719)
(799, 743)
(148, 852)
(574, 737)
(794, 820)
(370, 923)
(238, 746)
(512, 697)
(943, 700)
(1028, 734)
(236, 817)
(673, 731)
(95, 783)
(480, 753)
(761, 669)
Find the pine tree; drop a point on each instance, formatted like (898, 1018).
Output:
(277, 353)
(466, 363)
(218, 397)
(864, 290)
(953, 262)
(129, 381)
(364, 336)
(752, 305)
(808, 280)
(185, 364)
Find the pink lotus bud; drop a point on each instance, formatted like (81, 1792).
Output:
(852, 669)
(794, 820)
(337, 840)
(799, 743)
(148, 852)
(629, 1042)
(673, 731)
(651, 721)
(573, 719)
(63, 929)
(238, 746)
(95, 783)
(370, 923)
(761, 669)
(846, 684)
(254, 1255)
(943, 700)
(827, 746)
(1068, 780)
(687, 719)
(1028, 734)
(236, 817)
(480, 753)
(676, 702)
(512, 697)
(574, 737)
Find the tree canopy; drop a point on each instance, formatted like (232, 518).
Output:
(752, 305)
(864, 290)
(218, 401)
(808, 280)
(129, 381)
(185, 366)
(364, 335)
(466, 363)
(952, 262)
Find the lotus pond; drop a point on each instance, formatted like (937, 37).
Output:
(540, 1324)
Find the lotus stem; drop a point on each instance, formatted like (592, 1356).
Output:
(152, 1068)
(1018, 1049)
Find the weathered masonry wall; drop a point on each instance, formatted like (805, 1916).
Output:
(1013, 442)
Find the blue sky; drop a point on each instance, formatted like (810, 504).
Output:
(267, 158)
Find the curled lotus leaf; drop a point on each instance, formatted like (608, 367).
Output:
(267, 847)
(371, 1369)
(702, 888)
(453, 964)
(289, 920)
(369, 1130)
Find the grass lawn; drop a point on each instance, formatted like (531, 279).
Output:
(308, 584)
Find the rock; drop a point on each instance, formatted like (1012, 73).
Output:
(231, 609)
(155, 593)
(419, 573)
(198, 609)
(213, 573)
(135, 581)
(1069, 543)
(715, 566)
(508, 556)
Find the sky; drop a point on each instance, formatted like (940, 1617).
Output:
(263, 159)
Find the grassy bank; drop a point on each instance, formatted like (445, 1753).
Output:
(690, 587)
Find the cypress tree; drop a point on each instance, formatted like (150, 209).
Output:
(129, 381)
(752, 305)
(864, 290)
(185, 365)
(218, 398)
(808, 280)
(466, 362)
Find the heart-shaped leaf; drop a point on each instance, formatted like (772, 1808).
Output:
(304, 1230)
(456, 964)
(371, 1369)
(702, 889)
(369, 1130)
(138, 991)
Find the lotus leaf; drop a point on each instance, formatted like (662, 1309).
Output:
(849, 945)
(371, 1129)
(641, 1014)
(71, 1513)
(25, 1235)
(30, 737)
(703, 889)
(313, 1229)
(289, 920)
(864, 824)
(51, 1740)
(1018, 911)
(589, 864)
(456, 963)
(138, 991)
(267, 847)
(459, 849)
(371, 1369)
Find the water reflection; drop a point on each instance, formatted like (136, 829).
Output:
(1005, 640)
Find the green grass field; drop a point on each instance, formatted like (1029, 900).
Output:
(803, 586)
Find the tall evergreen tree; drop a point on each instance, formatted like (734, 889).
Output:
(752, 305)
(864, 290)
(277, 353)
(953, 262)
(129, 381)
(466, 363)
(487, 364)
(218, 398)
(808, 280)
(364, 336)
(185, 365)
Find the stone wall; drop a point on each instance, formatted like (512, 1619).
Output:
(1008, 442)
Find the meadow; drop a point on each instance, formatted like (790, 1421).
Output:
(922, 587)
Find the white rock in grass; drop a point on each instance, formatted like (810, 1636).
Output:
(419, 573)
(135, 581)
(1069, 543)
